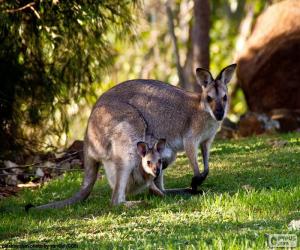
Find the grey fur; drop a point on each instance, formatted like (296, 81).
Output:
(131, 110)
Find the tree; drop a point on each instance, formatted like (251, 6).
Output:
(212, 32)
(50, 53)
(201, 33)
(198, 49)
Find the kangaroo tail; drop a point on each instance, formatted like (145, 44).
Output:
(90, 176)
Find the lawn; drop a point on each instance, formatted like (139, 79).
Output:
(253, 190)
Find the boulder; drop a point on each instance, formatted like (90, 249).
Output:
(253, 123)
(269, 68)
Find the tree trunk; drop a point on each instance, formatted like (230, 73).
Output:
(198, 44)
(201, 37)
(180, 72)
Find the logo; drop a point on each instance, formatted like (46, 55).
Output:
(282, 240)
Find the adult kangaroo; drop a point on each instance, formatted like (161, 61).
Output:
(185, 119)
(149, 107)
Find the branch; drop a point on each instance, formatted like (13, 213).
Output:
(180, 71)
(188, 66)
(21, 8)
(35, 12)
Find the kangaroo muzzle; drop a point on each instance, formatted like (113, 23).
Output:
(219, 115)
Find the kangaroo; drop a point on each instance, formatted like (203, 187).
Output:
(184, 118)
(149, 168)
(134, 108)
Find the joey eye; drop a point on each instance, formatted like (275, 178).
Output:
(148, 163)
(225, 98)
(209, 99)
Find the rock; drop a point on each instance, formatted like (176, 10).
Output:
(254, 124)
(289, 120)
(10, 164)
(268, 69)
(42, 166)
(49, 164)
(17, 171)
(11, 180)
(39, 172)
(65, 166)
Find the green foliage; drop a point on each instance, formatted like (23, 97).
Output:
(153, 56)
(54, 56)
(252, 190)
(50, 53)
(226, 18)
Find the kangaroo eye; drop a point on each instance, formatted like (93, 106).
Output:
(209, 99)
(148, 162)
(159, 161)
(225, 98)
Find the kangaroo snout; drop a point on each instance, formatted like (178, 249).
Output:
(219, 114)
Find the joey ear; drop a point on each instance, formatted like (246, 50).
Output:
(142, 148)
(160, 145)
(203, 77)
(226, 74)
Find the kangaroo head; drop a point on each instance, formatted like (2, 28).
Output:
(214, 96)
(151, 157)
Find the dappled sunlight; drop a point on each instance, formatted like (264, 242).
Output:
(241, 201)
(59, 58)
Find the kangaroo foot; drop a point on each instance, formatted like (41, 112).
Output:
(197, 181)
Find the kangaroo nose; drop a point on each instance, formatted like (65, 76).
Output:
(219, 109)
(219, 114)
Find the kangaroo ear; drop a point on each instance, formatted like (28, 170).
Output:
(160, 145)
(203, 77)
(226, 74)
(142, 148)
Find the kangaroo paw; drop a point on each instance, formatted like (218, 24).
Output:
(153, 190)
(197, 181)
(28, 206)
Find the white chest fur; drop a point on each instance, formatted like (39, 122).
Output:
(209, 130)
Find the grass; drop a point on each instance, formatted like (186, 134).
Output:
(253, 190)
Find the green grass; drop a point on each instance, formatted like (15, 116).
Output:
(253, 190)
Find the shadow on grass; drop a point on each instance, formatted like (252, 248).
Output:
(278, 170)
(219, 181)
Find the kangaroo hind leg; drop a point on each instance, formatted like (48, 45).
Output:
(121, 179)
